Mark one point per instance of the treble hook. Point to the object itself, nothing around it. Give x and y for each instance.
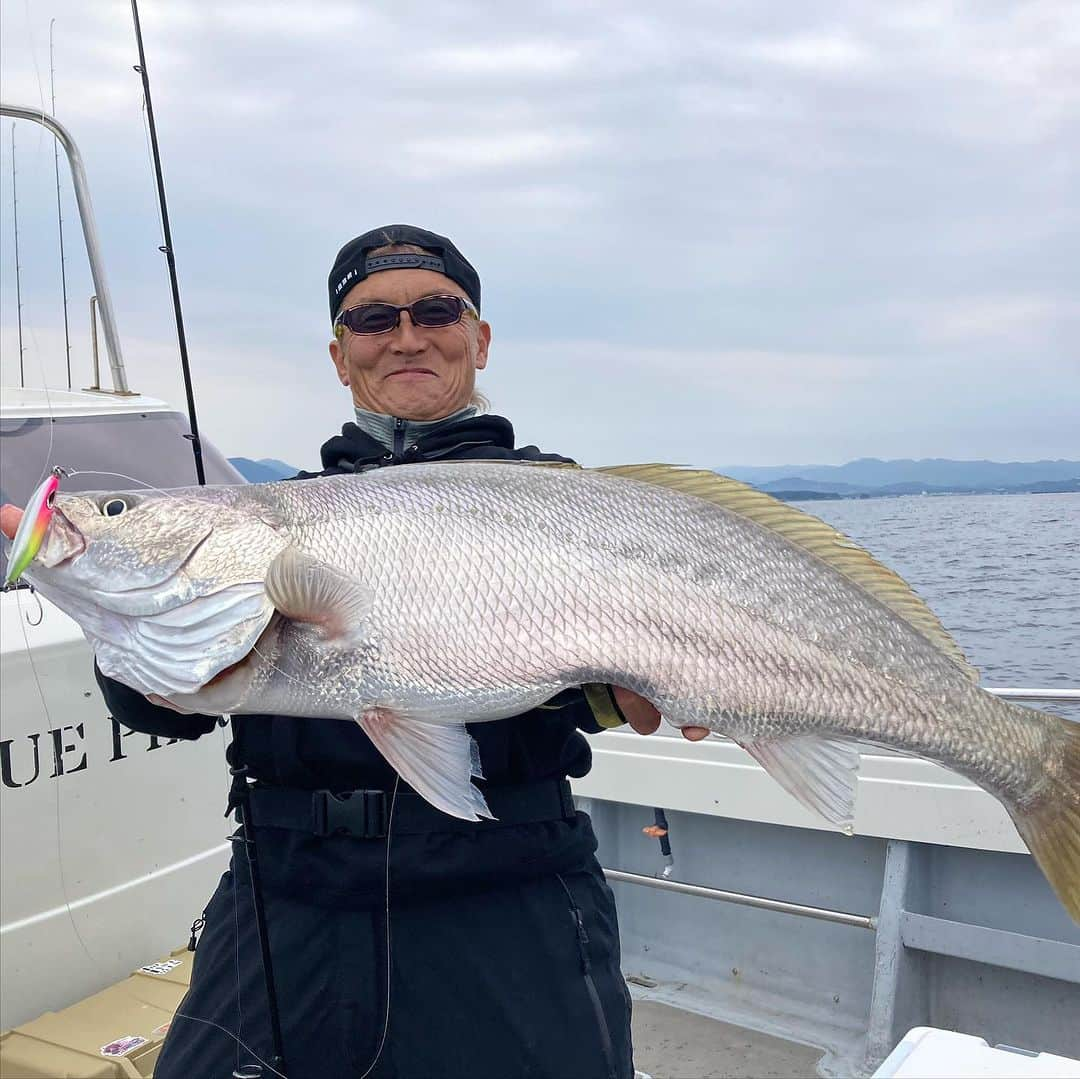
(41, 609)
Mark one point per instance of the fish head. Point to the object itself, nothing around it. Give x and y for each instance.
(167, 586)
(119, 541)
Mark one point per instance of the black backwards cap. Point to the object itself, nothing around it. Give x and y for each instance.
(353, 263)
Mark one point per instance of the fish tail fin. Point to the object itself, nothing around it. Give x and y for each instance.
(1051, 827)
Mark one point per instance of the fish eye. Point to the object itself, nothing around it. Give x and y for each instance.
(113, 507)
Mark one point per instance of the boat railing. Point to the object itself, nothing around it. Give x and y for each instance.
(1062, 696)
(90, 236)
(839, 917)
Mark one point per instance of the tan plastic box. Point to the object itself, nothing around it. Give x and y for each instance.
(115, 1033)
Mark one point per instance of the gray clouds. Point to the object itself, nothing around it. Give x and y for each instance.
(741, 232)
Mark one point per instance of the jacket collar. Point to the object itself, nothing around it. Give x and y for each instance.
(354, 450)
(388, 430)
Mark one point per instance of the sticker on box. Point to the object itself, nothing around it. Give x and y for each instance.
(122, 1046)
(161, 968)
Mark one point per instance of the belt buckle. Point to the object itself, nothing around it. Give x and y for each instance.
(360, 814)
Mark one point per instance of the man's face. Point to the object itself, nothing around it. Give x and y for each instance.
(415, 372)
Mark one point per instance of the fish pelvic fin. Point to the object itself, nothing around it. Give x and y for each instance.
(1051, 826)
(306, 590)
(812, 535)
(437, 760)
(820, 772)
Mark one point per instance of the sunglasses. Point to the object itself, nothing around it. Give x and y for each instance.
(430, 311)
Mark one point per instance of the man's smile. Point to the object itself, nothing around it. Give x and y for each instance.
(408, 373)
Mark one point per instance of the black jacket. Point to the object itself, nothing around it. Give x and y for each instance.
(318, 754)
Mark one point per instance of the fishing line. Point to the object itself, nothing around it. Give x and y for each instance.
(150, 162)
(59, 839)
(236, 954)
(37, 70)
(386, 1021)
(121, 476)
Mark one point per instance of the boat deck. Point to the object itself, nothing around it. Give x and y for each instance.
(670, 1043)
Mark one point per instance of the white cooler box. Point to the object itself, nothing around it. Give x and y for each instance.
(928, 1053)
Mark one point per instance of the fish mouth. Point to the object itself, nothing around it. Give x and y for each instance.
(63, 542)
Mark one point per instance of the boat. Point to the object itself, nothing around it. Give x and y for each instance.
(763, 942)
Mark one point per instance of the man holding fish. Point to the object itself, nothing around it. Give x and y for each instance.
(513, 592)
(505, 946)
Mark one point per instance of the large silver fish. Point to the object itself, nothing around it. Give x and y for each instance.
(418, 598)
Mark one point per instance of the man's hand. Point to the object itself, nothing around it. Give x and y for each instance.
(644, 718)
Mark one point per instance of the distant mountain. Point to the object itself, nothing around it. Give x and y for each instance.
(872, 473)
(265, 470)
(281, 466)
(871, 478)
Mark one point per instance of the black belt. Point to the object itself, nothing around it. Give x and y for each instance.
(365, 814)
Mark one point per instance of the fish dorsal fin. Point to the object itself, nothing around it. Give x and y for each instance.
(812, 535)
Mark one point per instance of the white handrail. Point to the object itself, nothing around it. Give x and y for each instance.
(93, 245)
(1012, 694)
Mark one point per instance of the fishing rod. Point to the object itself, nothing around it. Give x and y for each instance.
(18, 277)
(167, 250)
(59, 213)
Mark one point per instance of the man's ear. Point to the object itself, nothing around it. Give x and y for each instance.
(483, 343)
(337, 354)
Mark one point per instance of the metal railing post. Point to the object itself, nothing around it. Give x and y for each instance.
(96, 384)
(90, 235)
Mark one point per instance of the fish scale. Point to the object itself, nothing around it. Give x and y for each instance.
(417, 598)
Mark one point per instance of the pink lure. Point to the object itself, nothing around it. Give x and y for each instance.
(32, 526)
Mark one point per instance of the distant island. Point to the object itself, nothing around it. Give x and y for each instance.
(867, 477)
(870, 477)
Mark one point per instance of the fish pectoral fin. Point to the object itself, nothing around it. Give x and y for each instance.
(306, 590)
(437, 760)
(820, 772)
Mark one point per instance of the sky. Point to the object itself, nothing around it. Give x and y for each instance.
(710, 234)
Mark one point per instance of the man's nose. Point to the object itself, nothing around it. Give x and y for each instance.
(407, 337)
(10, 516)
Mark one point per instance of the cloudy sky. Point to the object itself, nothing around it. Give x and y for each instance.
(713, 233)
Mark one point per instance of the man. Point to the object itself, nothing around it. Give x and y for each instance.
(403, 942)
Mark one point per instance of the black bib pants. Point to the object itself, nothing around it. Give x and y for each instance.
(517, 978)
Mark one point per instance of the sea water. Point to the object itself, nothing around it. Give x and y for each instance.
(1002, 572)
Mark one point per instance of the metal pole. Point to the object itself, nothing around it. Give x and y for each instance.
(59, 214)
(167, 250)
(838, 917)
(18, 277)
(93, 245)
(96, 384)
(1062, 696)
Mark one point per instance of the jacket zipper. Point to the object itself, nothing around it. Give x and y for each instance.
(196, 928)
(399, 438)
(590, 985)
